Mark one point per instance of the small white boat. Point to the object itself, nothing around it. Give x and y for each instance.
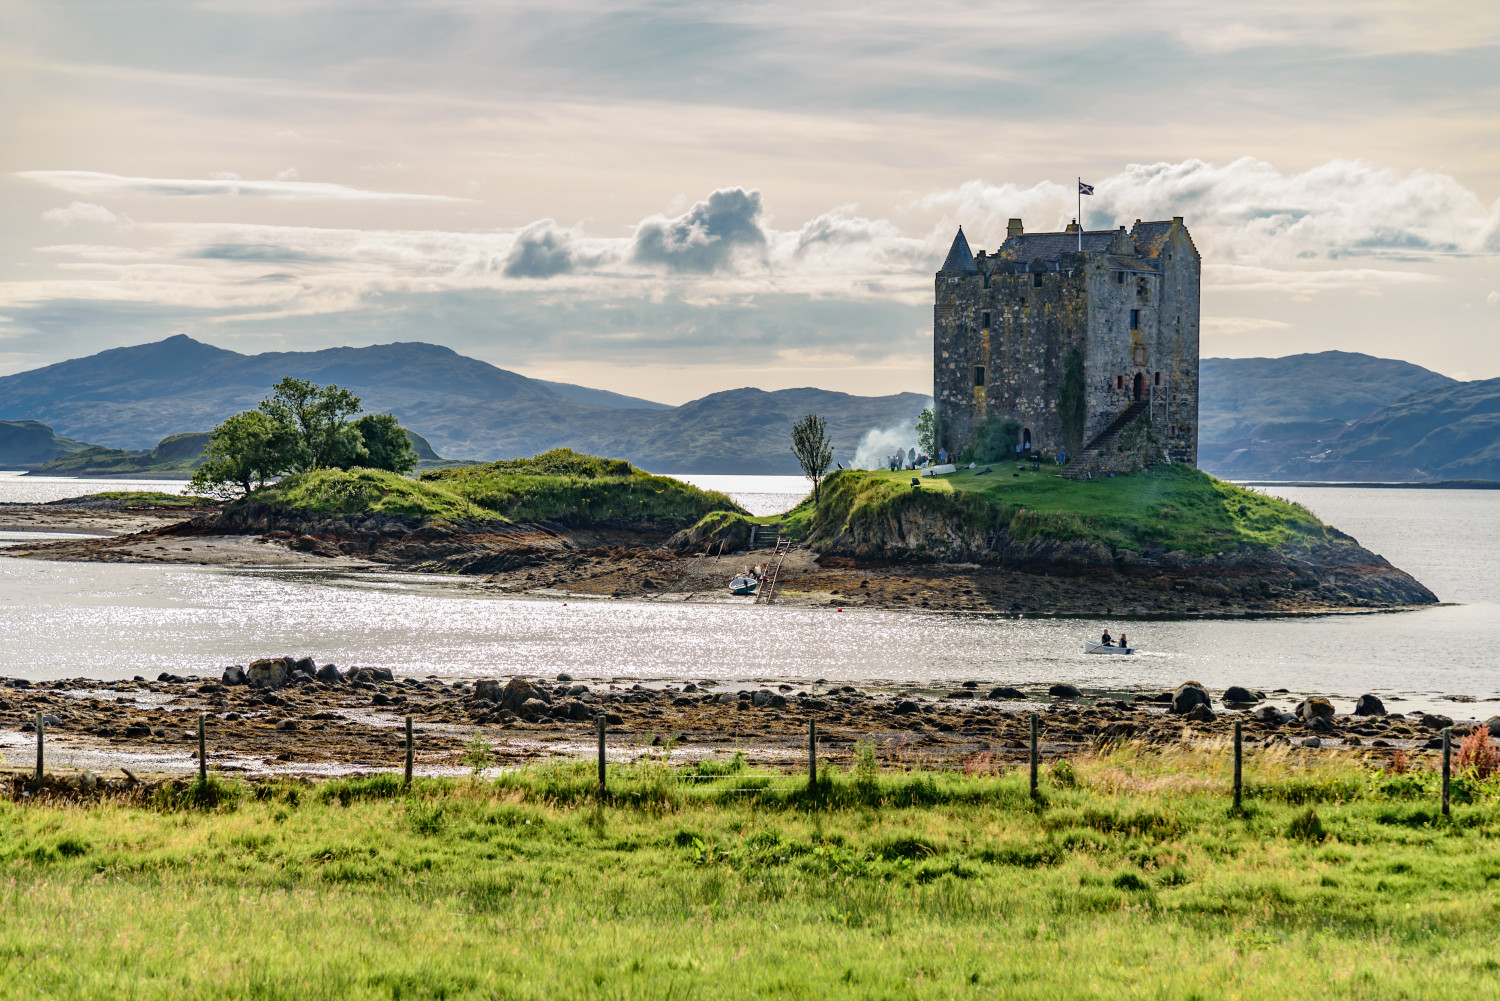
(743, 585)
(1101, 648)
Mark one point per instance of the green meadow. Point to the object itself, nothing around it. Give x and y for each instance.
(1130, 877)
(1174, 506)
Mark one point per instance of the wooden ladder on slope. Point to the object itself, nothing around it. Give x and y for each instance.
(767, 589)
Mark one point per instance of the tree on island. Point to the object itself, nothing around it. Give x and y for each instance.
(301, 426)
(813, 450)
(927, 432)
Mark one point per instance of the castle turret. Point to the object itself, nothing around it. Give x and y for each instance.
(960, 258)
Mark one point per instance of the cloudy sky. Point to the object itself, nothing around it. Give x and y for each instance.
(672, 198)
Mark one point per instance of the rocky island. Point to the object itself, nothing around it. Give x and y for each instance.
(1169, 540)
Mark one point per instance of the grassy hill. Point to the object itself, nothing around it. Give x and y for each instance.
(26, 444)
(1175, 507)
(174, 457)
(559, 487)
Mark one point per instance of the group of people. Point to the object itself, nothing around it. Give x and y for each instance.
(1107, 641)
(905, 460)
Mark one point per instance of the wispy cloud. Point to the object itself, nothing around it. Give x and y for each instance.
(97, 185)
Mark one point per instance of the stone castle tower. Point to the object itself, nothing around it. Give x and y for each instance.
(1092, 351)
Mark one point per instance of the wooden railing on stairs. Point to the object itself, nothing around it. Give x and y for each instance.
(767, 589)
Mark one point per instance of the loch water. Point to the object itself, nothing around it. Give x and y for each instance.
(117, 620)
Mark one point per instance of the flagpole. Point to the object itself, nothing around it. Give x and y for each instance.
(1080, 215)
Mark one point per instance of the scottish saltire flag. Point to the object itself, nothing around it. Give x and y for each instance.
(1085, 189)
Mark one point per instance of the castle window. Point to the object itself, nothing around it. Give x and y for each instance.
(1036, 280)
(1135, 319)
(1119, 278)
(984, 319)
(979, 375)
(1023, 300)
(1158, 378)
(1119, 382)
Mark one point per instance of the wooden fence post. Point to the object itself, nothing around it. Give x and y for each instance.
(1238, 747)
(1035, 726)
(202, 752)
(812, 753)
(600, 719)
(411, 750)
(40, 729)
(1447, 745)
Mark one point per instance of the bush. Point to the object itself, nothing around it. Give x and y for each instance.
(1478, 754)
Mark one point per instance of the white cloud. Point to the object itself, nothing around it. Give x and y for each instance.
(1232, 325)
(224, 185)
(1493, 299)
(1249, 211)
(84, 212)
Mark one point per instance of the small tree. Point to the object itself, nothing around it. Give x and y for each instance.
(244, 452)
(927, 432)
(386, 443)
(320, 416)
(813, 450)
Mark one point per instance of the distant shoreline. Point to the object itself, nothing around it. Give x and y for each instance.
(1379, 485)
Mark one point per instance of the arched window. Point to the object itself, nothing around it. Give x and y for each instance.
(1139, 387)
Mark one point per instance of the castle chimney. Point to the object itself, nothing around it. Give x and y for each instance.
(1072, 227)
(1013, 228)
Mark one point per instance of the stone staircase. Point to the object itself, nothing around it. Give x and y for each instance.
(1087, 463)
(764, 536)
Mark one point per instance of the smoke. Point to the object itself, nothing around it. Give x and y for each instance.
(879, 444)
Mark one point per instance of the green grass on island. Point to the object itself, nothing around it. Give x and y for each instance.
(561, 487)
(1173, 506)
(136, 499)
(1132, 878)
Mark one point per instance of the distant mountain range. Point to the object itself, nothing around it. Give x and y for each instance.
(1334, 415)
(133, 397)
(1338, 415)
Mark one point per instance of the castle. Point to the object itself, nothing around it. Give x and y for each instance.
(1087, 342)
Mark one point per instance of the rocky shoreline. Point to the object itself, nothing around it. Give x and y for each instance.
(1039, 577)
(287, 715)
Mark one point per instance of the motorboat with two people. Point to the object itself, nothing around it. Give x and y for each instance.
(1107, 645)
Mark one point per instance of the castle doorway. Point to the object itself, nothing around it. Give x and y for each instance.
(1026, 439)
(1140, 385)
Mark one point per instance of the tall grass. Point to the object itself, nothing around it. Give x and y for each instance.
(1130, 878)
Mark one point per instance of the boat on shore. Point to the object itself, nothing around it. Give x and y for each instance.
(743, 585)
(1101, 648)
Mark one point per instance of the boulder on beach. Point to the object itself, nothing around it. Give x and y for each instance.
(1007, 693)
(1435, 721)
(1269, 715)
(1200, 713)
(329, 675)
(1236, 693)
(234, 675)
(271, 672)
(1310, 709)
(1190, 694)
(1064, 692)
(1369, 705)
(1493, 725)
(532, 708)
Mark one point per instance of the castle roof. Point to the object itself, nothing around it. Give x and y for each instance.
(960, 257)
(1051, 246)
(1136, 264)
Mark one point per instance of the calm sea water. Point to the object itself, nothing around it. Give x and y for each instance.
(117, 620)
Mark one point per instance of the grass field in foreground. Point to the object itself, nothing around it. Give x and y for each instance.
(1130, 880)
